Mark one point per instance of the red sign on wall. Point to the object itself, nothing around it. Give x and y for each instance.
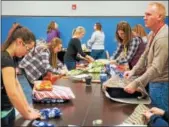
(73, 6)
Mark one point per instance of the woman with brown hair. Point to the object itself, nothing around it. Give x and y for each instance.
(96, 42)
(52, 31)
(138, 31)
(19, 42)
(129, 48)
(42, 60)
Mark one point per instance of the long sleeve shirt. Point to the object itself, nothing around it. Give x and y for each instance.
(74, 48)
(131, 50)
(154, 59)
(52, 34)
(158, 121)
(96, 41)
(36, 63)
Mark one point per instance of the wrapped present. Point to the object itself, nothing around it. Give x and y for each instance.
(49, 100)
(137, 117)
(58, 92)
(45, 114)
(122, 68)
(44, 85)
(114, 89)
(75, 72)
(51, 77)
(103, 61)
(48, 113)
(37, 123)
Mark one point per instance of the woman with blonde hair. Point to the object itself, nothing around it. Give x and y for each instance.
(129, 48)
(52, 31)
(43, 59)
(19, 42)
(74, 48)
(139, 31)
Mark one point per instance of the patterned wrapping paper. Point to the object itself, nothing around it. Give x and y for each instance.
(50, 113)
(116, 81)
(137, 117)
(58, 92)
(49, 100)
(37, 123)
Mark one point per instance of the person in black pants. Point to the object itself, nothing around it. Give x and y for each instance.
(74, 48)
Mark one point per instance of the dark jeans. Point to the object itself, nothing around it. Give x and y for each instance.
(9, 120)
(157, 121)
(70, 65)
(159, 93)
(98, 54)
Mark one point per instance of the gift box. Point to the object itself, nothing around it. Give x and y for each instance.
(44, 85)
(58, 92)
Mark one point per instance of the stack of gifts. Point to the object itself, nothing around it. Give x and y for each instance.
(57, 94)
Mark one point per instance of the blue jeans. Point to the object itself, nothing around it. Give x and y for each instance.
(70, 65)
(157, 121)
(159, 94)
(98, 54)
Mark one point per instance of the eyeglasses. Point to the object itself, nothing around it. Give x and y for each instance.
(27, 48)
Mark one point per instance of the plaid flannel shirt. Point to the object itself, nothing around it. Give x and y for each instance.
(131, 50)
(36, 63)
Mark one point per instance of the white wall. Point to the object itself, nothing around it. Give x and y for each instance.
(84, 8)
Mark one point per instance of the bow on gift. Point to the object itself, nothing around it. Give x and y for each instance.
(51, 77)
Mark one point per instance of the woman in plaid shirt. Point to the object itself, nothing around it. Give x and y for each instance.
(129, 47)
(43, 59)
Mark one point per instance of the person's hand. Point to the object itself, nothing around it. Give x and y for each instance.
(128, 74)
(131, 88)
(33, 114)
(157, 111)
(90, 59)
(113, 62)
(31, 109)
(63, 72)
(148, 114)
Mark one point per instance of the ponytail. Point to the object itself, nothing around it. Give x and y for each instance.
(18, 31)
(9, 38)
(15, 25)
(73, 31)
